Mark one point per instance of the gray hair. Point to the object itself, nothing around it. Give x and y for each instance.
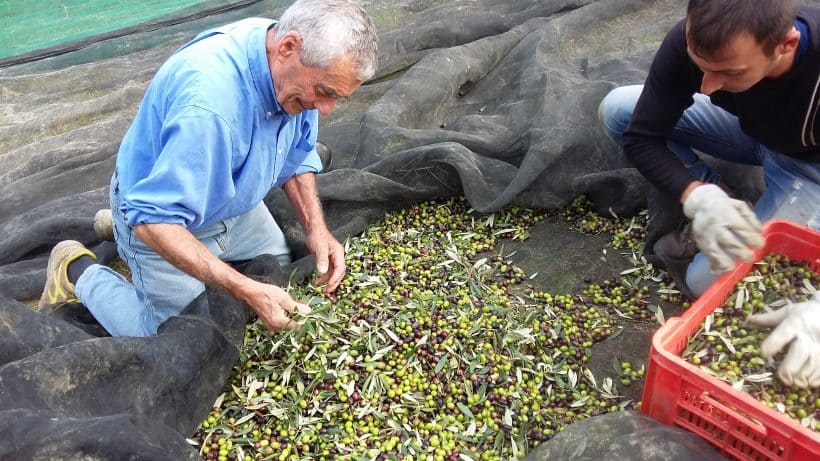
(331, 29)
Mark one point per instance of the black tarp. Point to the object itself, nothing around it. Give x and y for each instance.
(624, 435)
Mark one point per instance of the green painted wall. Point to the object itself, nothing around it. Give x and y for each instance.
(28, 25)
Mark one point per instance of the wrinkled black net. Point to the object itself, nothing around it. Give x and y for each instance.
(623, 435)
(493, 99)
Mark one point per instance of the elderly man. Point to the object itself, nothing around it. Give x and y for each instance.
(738, 80)
(231, 114)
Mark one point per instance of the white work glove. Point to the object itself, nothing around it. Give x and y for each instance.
(723, 228)
(798, 328)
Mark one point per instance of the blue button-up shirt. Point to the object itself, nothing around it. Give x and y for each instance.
(210, 140)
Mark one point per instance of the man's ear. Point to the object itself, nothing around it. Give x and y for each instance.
(289, 45)
(789, 43)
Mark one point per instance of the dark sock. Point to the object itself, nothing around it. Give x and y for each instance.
(78, 266)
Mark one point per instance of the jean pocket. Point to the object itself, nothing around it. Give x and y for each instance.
(216, 232)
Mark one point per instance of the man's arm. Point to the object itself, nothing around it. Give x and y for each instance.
(692, 185)
(667, 92)
(179, 247)
(301, 191)
(329, 253)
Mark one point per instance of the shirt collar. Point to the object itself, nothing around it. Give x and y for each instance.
(260, 70)
(803, 46)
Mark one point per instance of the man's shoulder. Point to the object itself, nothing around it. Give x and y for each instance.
(811, 16)
(676, 37)
(210, 73)
(230, 43)
(809, 11)
(196, 76)
(672, 52)
(241, 27)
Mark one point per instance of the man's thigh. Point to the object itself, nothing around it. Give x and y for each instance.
(702, 126)
(255, 233)
(163, 289)
(792, 190)
(714, 131)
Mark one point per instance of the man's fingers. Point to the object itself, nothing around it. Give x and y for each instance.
(338, 272)
(331, 279)
(719, 262)
(792, 370)
(779, 338)
(727, 236)
(334, 271)
(322, 279)
(747, 231)
(279, 321)
(750, 238)
(733, 246)
(292, 306)
(769, 319)
(302, 309)
(814, 368)
(753, 225)
(321, 260)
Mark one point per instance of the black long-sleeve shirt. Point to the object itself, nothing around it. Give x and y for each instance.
(781, 113)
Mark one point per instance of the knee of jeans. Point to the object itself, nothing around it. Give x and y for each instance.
(615, 112)
(284, 258)
(699, 276)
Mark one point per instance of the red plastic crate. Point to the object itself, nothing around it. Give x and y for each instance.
(678, 393)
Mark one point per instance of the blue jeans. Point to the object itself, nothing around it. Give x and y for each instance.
(158, 289)
(792, 186)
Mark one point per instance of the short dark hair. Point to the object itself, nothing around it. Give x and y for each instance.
(712, 24)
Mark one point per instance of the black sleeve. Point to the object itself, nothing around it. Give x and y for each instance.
(667, 92)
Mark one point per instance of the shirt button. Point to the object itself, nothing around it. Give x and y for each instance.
(280, 152)
(268, 114)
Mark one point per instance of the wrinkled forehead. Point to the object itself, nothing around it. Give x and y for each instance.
(740, 48)
(342, 76)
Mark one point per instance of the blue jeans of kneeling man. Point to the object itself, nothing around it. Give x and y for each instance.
(158, 289)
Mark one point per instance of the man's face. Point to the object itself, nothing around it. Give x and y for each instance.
(736, 68)
(299, 87)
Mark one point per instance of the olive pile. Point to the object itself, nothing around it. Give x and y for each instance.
(433, 348)
(728, 347)
(626, 233)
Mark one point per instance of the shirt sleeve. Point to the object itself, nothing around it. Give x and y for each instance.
(667, 92)
(192, 177)
(303, 157)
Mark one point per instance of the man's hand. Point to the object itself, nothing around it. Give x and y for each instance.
(329, 253)
(330, 258)
(797, 326)
(723, 228)
(184, 251)
(271, 303)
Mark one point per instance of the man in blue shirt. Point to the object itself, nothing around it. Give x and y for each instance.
(231, 114)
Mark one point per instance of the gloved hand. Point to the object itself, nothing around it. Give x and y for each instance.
(798, 328)
(723, 228)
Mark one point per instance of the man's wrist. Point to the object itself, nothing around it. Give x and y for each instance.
(692, 185)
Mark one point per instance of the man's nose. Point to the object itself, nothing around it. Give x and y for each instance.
(325, 106)
(710, 83)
